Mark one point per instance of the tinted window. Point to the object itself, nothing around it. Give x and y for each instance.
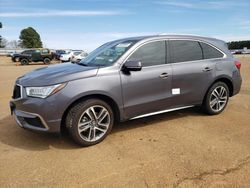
(210, 52)
(182, 50)
(27, 52)
(45, 51)
(150, 54)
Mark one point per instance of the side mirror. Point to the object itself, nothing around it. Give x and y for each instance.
(132, 66)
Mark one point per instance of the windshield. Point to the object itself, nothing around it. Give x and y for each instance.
(108, 53)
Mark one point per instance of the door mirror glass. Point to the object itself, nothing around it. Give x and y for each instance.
(132, 66)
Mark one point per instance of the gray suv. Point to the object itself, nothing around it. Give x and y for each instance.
(126, 79)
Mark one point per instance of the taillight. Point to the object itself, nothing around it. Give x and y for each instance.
(237, 64)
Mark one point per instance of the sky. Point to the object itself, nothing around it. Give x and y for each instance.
(86, 24)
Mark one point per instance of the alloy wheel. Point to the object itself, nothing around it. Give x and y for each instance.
(218, 98)
(94, 123)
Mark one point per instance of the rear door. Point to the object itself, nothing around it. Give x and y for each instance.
(192, 74)
(147, 90)
(36, 55)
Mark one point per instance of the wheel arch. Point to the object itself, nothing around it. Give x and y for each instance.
(228, 81)
(105, 98)
(47, 58)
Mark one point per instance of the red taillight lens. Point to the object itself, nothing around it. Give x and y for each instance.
(237, 64)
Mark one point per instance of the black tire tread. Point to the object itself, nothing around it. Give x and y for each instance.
(72, 116)
(206, 105)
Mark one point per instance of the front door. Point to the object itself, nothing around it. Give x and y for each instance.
(148, 90)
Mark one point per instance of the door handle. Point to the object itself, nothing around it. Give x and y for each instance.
(206, 69)
(164, 75)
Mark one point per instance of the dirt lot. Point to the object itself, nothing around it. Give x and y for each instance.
(178, 149)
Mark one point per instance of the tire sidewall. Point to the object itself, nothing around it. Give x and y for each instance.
(207, 101)
(46, 60)
(16, 59)
(24, 62)
(75, 114)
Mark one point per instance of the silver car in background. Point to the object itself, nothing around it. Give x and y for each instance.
(126, 79)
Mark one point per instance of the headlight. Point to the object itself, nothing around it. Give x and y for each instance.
(43, 92)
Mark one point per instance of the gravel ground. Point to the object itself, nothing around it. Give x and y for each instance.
(179, 149)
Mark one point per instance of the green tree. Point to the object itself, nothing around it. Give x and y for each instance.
(3, 42)
(239, 44)
(29, 38)
(1, 39)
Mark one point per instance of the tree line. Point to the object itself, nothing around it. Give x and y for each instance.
(239, 44)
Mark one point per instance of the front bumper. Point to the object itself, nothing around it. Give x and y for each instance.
(33, 121)
(30, 121)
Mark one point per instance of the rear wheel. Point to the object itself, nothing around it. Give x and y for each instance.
(90, 121)
(24, 61)
(46, 60)
(217, 98)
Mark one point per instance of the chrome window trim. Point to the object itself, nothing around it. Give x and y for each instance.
(168, 39)
(140, 45)
(201, 41)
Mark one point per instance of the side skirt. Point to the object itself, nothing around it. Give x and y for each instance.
(160, 112)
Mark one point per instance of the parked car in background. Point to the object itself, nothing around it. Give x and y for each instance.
(37, 55)
(10, 54)
(58, 53)
(79, 57)
(127, 79)
(16, 56)
(68, 56)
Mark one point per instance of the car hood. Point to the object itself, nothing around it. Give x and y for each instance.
(55, 74)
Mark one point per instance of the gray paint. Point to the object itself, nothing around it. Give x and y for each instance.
(135, 94)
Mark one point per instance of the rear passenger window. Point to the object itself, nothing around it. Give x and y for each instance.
(45, 51)
(210, 52)
(182, 50)
(150, 54)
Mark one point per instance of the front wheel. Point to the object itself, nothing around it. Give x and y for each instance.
(15, 59)
(216, 99)
(46, 60)
(90, 121)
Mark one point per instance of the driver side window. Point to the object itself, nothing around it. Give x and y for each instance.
(150, 54)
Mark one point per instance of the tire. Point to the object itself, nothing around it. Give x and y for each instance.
(93, 128)
(46, 60)
(216, 98)
(15, 59)
(24, 61)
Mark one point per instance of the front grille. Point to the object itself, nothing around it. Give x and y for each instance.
(17, 92)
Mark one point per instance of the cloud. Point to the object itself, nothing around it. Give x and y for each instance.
(243, 24)
(52, 13)
(177, 4)
(194, 4)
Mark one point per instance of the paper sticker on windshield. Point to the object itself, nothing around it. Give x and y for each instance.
(124, 45)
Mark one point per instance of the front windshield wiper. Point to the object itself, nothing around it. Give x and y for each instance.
(83, 64)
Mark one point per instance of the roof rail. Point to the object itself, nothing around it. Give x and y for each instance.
(186, 34)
